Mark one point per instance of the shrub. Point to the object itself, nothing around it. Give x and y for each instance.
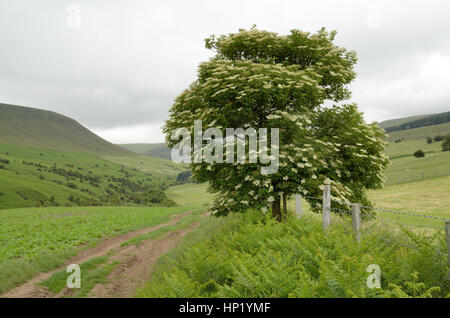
(184, 177)
(439, 138)
(71, 185)
(429, 140)
(446, 144)
(419, 154)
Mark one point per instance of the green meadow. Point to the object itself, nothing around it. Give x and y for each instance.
(37, 240)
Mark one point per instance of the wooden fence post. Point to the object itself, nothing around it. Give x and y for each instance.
(356, 221)
(326, 206)
(298, 205)
(447, 233)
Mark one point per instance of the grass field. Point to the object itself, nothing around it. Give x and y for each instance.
(420, 133)
(407, 168)
(37, 240)
(429, 197)
(190, 194)
(404, 167)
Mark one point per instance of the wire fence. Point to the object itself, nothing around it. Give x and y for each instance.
(354, 210)
(390, 211)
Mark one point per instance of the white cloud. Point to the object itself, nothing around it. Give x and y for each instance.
(424, 91)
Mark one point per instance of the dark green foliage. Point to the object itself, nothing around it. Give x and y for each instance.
(439, 138)
(419, 154)
(184, 177)
(446, 144)
(429, 140)
(71, 185)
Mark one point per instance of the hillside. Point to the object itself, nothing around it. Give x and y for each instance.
(27, 126)
(404, 167)
(137, 148)
(159, 150)
(42, 177)
(415, 122)
(399, 121)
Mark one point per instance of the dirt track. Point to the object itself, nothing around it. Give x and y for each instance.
(135, 264)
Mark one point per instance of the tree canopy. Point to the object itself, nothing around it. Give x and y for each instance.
(264, 80)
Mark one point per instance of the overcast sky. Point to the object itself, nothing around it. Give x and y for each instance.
(116, 66)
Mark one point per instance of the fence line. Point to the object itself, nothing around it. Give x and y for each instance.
(356, 217)
(379, 209)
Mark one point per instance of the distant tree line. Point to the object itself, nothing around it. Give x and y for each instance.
(423, 122)
(435, 139)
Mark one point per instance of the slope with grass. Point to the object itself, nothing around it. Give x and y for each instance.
(137, 148)
(405, 167)
(42, 177)
(399, 121)
(420, 133)
(160, 168)
(33, 127)
(429, 197)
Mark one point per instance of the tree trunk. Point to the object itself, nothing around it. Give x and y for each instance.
(276, 210)
(285, 206)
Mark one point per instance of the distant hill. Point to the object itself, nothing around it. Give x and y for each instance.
(415, 122)
(159, 150)
(33, 127)
(137, 148)
(399, 121)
